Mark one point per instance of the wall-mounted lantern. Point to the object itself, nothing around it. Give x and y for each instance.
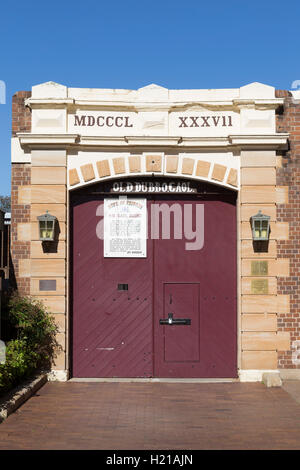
(260, 224)
(47, 226)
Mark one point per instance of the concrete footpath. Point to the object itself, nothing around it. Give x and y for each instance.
(156, 416)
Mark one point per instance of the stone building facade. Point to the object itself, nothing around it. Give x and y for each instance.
(243, 141)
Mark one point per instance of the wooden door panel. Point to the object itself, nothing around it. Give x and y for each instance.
(213, 268)
(182, 341)
(112, 328)
(117, 333)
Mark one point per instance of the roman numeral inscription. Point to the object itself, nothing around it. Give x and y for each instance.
(102, 121)
(205, 121)
(108, 120)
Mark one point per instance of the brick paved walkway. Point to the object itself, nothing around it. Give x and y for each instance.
(154, 416)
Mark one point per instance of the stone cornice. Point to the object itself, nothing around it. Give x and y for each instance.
(277, 140)
(33, 140)
(139, 106)
(274, 141)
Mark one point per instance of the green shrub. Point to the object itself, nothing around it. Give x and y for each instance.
(17, 364)
(36, 326)
(35, 344)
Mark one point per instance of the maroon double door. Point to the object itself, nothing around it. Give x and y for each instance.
(171, 314)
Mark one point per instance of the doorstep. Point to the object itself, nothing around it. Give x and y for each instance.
(152, 380)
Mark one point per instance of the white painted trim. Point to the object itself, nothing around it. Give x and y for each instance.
(274, 140)
(32, 102)
(263, 139)
(266, 103)
(289, 374)
(151, 380)
(150, 105)
(253, 375)
(153, 140)
(48, 139)
(58, 375)
(17, 153)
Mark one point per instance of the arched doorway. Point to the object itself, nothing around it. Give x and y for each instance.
(168, 310)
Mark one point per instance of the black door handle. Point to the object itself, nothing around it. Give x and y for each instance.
(174, 321)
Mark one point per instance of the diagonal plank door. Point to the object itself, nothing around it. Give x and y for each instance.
(112, 328)
(118, 303)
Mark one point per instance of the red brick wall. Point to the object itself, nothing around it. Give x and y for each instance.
(289, 175)
(20, 176)
(21, 116)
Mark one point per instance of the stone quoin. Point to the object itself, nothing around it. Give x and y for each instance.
(150, 307)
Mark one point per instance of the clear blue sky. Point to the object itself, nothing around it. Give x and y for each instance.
(131, 43)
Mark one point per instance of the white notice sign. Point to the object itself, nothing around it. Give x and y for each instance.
(125, 228)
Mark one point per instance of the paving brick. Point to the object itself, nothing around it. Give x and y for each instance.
(161, 416)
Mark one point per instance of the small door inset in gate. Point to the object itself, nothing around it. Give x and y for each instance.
(181, 328)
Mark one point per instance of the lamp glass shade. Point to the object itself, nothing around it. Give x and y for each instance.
(260, 227)
(47, 227)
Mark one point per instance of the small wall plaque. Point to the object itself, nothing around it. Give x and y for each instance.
(47, 284)
(259, 268)
(259, 286)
